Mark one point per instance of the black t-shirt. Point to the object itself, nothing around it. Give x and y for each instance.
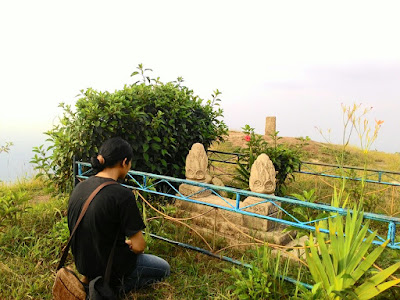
(113, 210)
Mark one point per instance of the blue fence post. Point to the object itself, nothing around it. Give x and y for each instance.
(392, 233)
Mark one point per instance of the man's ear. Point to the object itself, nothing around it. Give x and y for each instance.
(124, 162)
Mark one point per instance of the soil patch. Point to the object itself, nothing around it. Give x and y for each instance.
(237, 139)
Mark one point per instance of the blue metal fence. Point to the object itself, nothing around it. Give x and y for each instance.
(290, 220)
(370, 175)
(147, 182)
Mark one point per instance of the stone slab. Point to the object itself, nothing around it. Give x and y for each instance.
(265, 209)
(187, 190)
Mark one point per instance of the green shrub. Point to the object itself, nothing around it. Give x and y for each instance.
(160, 121)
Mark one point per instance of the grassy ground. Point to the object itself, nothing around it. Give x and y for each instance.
(31, 242)
(33, 230)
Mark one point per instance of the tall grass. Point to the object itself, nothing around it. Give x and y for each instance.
(30, 249)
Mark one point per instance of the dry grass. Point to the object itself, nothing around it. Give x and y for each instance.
(379, 198)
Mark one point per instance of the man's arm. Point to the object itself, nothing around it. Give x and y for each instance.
(136, 242)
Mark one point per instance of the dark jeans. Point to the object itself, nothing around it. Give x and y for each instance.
(149, 269)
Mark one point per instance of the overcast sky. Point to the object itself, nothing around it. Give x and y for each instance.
(296, 60)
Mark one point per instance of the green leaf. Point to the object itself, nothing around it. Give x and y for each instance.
(326, 259)
(155, 146)
(372, 286)
(318, 271)
(368, 262)
(362, 249)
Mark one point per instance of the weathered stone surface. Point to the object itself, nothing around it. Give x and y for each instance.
(219, 182)
(270, 126)
(234, 235)
(259, 223)
(196, 163)
(212, 199)
(262, 175)
(188, 190)
(207, 179)
(265, 208)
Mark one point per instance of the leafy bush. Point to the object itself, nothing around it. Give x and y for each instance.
(160, 121)
(285, 160)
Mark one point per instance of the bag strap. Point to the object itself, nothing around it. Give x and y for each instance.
(83, 211)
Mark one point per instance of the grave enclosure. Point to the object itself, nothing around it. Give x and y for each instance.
(233, 227)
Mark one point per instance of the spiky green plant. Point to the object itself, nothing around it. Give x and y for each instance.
(339, 267)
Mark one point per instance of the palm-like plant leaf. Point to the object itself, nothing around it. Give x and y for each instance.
(374, 285)
(340, 263)
(369, 261)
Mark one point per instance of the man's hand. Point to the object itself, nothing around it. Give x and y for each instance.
(136, 243)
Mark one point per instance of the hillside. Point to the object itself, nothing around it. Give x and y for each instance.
(320, 152)
(31, 237)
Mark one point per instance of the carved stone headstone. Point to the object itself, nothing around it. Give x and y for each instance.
(262, 175)
(262, 180)
(196, 163)
(196, 170)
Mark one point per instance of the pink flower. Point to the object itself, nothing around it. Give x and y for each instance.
(247, 138)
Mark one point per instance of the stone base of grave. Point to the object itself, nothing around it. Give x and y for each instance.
(189, 190)
(266, 209)
(234, 227)
(240, 241)
(193, 191)
(297, 251)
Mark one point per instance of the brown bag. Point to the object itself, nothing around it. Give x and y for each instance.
(67, 285)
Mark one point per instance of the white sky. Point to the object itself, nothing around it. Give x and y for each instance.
(296, 60)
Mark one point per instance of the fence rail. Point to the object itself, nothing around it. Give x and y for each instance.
(291, 220)
(331, 170)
